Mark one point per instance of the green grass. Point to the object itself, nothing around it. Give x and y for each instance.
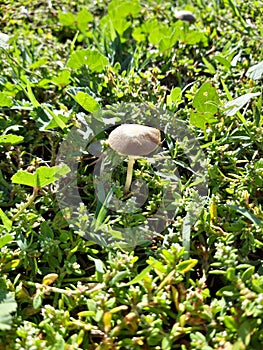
(196, 286)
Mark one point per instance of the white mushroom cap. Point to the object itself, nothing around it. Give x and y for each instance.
(134, 139)
(185, 16)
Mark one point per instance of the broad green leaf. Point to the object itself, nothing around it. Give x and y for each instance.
(206, 99)
(107, 28)
(5, 101)
(206, 103)
(86, 101)
(255, 72)
(5, 239)
(46, 230)
(67, 19)
(7, 306)
(168, 40)
(193, 37)
(155, 36)
(248, 273)
(63, 79)
(48, 119)
(80, 20)
(230, 273)
(10, 139)
(167, 342)
(46, 175)
(257, 284)
(141, 276)
(174, 97)
(123, 8)
(186, 265)
(200, 119)
(157, 265)
(6, 221)
(56, 117)
(168, 256)
(138, 35)
(120, 24)
(210, 67)
(223, 61)
(95, 61)
(150, 28)
(83, 18)
(157, 31)
(43, 176)
(230, 323)
(255, 220)
(39, 63)
(24, 178)
(232, 107)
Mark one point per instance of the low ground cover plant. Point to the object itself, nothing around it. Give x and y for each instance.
(197, 283)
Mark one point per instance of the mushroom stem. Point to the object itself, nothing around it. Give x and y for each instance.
(129, 174)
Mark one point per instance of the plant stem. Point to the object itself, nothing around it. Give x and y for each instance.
(68, 292)
(129, 174)
(27, 204)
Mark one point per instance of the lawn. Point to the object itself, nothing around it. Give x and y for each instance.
(173, 261)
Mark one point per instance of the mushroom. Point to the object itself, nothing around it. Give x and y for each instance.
(133, 140)
(185, 16)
